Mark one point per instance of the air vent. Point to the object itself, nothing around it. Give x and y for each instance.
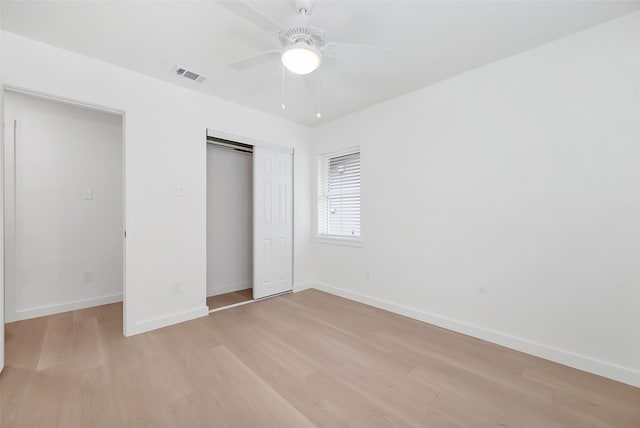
(188, 74)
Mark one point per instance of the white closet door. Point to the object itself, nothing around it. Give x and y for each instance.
(272, 222)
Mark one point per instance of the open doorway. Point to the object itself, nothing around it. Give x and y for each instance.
(229, 223)
(64, 206)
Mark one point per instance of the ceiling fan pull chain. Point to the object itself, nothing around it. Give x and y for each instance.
(318, 114)
(284, 107)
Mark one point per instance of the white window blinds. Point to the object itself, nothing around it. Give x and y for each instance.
(339, 194)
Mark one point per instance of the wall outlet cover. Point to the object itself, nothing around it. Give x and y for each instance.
(178, 191)
(176, 287)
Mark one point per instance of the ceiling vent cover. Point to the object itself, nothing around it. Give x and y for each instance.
(188, 74)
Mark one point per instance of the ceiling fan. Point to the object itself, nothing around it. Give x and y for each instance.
(303, 45)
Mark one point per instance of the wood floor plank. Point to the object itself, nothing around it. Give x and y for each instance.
(23, 342)
(231, 298)
(58, 341)
(587, 413)
(496, 368)
(304, 359)
(301, 381)
(244, 399)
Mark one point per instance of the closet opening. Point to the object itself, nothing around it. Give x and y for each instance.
(229, 223)
(249, 220)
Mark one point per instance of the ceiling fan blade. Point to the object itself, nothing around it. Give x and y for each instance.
(251, 14)
(349, 51)
(255, 60)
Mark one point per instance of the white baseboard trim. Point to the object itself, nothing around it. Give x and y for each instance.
(580, 362)
(228, 288)
(167, 320)
(41, 311)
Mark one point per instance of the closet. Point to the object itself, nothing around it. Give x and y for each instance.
(249, 220)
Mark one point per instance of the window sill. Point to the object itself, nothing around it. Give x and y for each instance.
(339, 240)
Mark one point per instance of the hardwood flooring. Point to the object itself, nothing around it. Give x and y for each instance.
(299, 360)
(227, 299)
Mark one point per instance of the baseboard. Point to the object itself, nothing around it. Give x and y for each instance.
(41, 311)
(580, 362)
(164, 321)
(228, 288)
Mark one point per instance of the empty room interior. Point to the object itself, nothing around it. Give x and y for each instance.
(298, 213)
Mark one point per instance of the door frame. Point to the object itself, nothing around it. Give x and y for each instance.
(92, 106)
(234, 138)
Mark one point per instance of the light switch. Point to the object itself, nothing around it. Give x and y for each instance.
(178, 191)
(87, 194)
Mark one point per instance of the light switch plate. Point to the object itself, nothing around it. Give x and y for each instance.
(87, 194)
(177, 190)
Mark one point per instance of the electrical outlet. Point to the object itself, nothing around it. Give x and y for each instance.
(367, 274)
(177, 287)
(87, 276)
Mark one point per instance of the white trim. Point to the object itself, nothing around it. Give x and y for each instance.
(64, 100)
(561, 356)
(247, 140)
(41, 311)
(2, 317)
(167, 320)
(339, 240)
(340, 151)
(228, 288)
(124, 224)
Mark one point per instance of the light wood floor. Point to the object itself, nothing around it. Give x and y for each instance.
(305, 359)
(227, 299)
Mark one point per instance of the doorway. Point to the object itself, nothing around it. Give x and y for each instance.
(229, 223)
(63, 206)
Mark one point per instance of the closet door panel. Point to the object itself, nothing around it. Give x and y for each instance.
(273, 225)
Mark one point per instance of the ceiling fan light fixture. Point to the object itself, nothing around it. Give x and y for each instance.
(301, 58)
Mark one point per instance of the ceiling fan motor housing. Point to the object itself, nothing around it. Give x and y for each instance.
(308, 35)
(296, 29)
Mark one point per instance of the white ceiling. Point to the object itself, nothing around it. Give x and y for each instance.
(429, 41)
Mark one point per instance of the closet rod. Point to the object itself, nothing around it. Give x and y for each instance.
(229, 149)
(230, 145)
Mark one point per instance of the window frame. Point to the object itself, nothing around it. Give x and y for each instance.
(322, 179)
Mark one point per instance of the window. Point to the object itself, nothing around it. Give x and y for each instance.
(339, 194)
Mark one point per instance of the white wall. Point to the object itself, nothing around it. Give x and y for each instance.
(64, 251)
(229, 221)
(165, 148)
(504, 202)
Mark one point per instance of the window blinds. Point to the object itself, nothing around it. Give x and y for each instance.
(339, 204)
